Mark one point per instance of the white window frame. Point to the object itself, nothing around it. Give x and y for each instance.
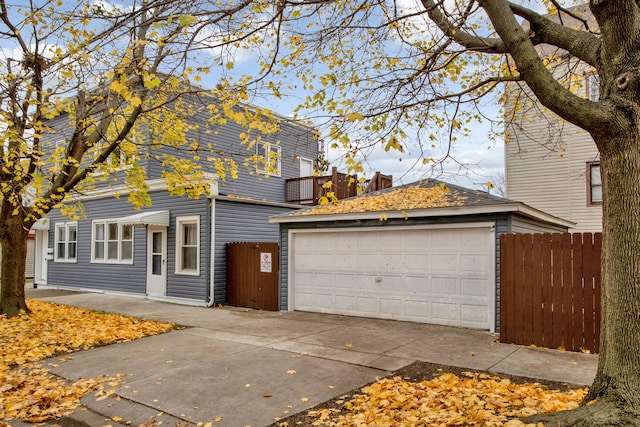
(263, 157)
(105, 241)
(594, 187)
(66, 242)
(181, 221)
(118, 161)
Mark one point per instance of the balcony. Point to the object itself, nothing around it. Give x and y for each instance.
(308, 190)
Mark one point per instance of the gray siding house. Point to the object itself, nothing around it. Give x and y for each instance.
(173, 250)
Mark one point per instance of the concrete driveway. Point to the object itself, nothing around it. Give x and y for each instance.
(246, 367)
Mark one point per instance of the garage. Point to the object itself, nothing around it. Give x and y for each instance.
(433, 275)
(425, 252)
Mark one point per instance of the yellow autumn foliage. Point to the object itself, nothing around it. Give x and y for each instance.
(27, 390)
(448, 400)
(401, 199)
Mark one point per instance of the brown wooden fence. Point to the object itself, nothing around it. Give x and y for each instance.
(550, 290)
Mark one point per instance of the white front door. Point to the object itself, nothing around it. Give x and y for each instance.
(157, 261)
(41, 257)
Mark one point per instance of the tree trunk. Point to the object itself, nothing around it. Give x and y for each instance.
(614, 397)
(618, 377)
(13, 240)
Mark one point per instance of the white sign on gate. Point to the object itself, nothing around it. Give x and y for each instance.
(265, 262)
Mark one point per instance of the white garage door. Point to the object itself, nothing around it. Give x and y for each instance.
(440, 276)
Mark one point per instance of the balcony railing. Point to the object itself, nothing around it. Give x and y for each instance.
(308, 190)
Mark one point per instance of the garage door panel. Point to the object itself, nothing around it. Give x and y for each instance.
(473, 314)
(444, 286)
(474, 288)
(365, 242)
(444, 240)
(426, 275)
(474, 263)
(366, 262)
(473, 240)
(445, 312)
(416, 242)
(416, 286)
(444, 263)
(365, 281)
(418, 309)
(390, 284)
(344, 261)
(392, 306)
(391, 261)
(417, 261)
(343, 281)
(367, 306)
(305, 261)
(344, 302)
(315, 280)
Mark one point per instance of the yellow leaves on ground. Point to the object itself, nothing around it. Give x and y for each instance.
(27, 391)
(402, 199)
(448, 400)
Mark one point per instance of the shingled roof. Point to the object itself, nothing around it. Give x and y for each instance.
(423, 198)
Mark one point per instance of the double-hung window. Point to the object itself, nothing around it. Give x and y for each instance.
(112, 242)
(594, 184)
(268, 158)
(66, 242)
(188, 245)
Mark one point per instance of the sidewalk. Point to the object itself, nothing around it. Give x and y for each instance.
(227, 360)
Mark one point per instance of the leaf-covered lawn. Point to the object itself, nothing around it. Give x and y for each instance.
(471, 399)
(27, 390)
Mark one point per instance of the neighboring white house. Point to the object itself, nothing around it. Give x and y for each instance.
(551, 164)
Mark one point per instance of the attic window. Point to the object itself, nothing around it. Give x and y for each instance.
(594, 184)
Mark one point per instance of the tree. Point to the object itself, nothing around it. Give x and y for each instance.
(86, 86)
(391, 72)
(394, 73)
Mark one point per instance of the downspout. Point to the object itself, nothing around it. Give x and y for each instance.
(213, 191)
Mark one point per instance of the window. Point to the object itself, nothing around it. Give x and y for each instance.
(593, 87)
(268, 158)
(122, 157)
(112, 242)
(594, 184)
(188, 245)
(66, 242)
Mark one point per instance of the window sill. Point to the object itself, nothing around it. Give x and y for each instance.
(187, 273)
(99, 261)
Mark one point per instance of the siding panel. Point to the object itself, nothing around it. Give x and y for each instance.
(240, 222)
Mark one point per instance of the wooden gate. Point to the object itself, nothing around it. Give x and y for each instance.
(252, 275)
(550, 290)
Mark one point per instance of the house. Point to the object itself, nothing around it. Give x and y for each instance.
(174, 249)
(425, 252)
(551, 164)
